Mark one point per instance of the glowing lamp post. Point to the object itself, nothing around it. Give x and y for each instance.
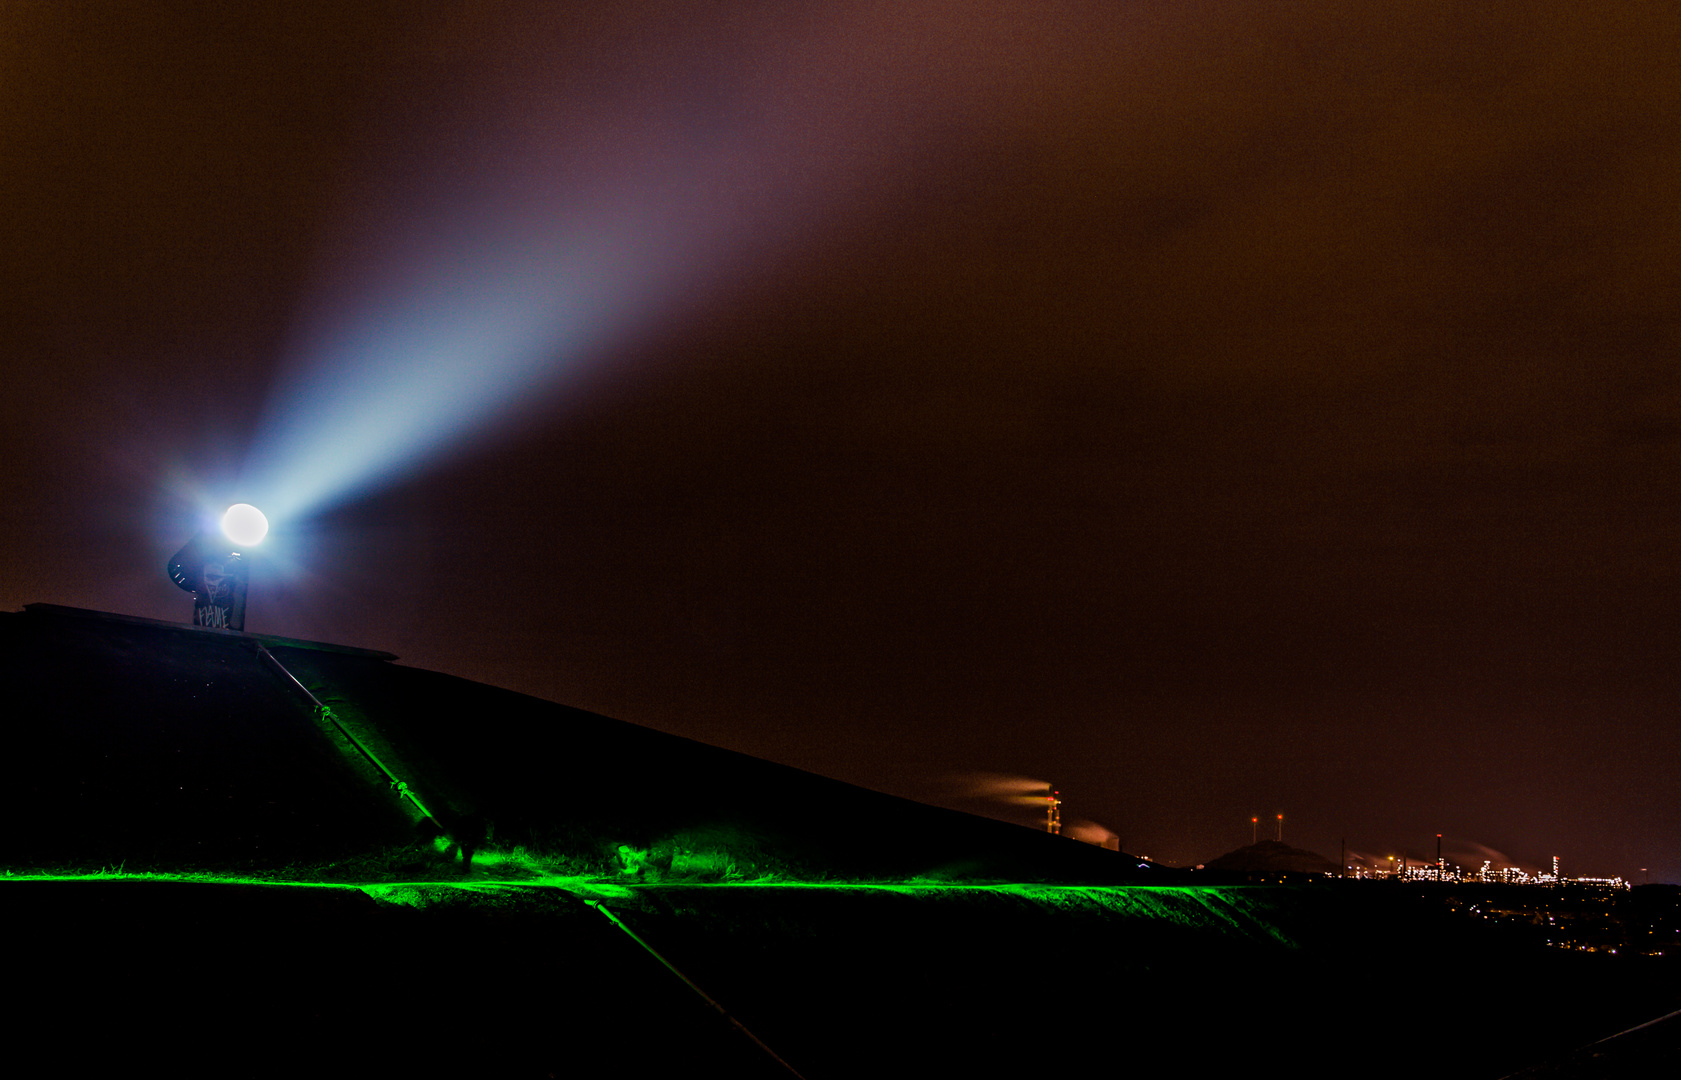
(244, 524)
(213, 568)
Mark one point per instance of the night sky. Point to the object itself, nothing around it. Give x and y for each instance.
(1216, 409)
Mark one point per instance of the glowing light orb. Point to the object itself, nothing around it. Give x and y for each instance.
(244, 524)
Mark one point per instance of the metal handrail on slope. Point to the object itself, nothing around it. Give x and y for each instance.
(323, 712)
(690, 983)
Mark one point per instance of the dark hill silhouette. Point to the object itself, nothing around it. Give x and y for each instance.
(159, 747)
(1271, 857)
(166, 746)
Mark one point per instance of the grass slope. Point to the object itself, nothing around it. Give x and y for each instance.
(162, 747)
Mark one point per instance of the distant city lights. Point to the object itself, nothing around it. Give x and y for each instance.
(1487, 874)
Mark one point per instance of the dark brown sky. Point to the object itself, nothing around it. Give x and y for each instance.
(1217, 409)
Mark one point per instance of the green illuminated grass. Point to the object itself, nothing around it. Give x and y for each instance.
(1241, 908)
(418, 876)
(189, 878)
(1244, 910)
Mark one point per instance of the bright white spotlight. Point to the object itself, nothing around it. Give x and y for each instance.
(244, 524)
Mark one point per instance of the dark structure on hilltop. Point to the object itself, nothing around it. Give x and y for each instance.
(1271, 857)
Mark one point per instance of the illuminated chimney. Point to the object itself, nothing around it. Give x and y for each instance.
(1053, 813)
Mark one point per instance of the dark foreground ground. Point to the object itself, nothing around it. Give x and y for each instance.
(855, 934)
(529, 980)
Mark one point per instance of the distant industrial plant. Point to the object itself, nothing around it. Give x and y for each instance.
(1441, 870)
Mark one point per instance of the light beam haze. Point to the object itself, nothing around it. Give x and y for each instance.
(570, 221)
